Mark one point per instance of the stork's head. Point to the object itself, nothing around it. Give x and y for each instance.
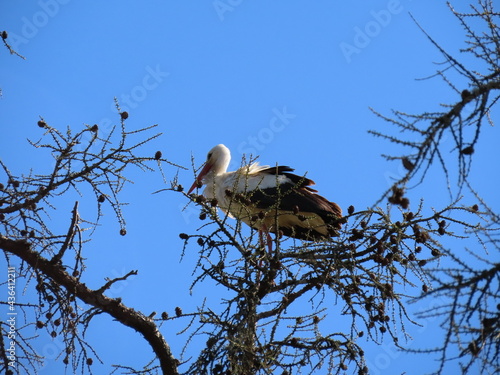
(218, 159)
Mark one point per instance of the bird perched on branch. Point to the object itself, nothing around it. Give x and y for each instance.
(269, 199)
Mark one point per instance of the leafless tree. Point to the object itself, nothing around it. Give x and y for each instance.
(366, 272)
(470, 295)
(277, 307)
(53, 263)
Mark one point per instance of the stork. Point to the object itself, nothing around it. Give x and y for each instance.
(269, 199)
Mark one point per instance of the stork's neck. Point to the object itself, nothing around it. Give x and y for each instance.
(221, 164)
(218, 169)
(208, 180)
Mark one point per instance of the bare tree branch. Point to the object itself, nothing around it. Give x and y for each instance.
(112, 306)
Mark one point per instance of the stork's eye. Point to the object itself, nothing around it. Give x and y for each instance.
(209, 155)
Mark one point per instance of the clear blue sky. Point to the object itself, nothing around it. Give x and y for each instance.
(291, 81)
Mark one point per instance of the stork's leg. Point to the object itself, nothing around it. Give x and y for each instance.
(269, 243)
(261, 239)
(262, 246)
(268, 240)
(263, 242)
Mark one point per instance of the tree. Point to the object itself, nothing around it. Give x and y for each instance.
(384, 255)
(52, 262)
(469, 306)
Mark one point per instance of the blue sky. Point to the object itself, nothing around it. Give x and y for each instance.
(291, 81)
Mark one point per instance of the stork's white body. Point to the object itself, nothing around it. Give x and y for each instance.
(242, 181)
(268, 198)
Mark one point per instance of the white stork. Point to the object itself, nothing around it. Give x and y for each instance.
(269, 199)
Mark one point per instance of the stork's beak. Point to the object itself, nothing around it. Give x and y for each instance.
(199, 180)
